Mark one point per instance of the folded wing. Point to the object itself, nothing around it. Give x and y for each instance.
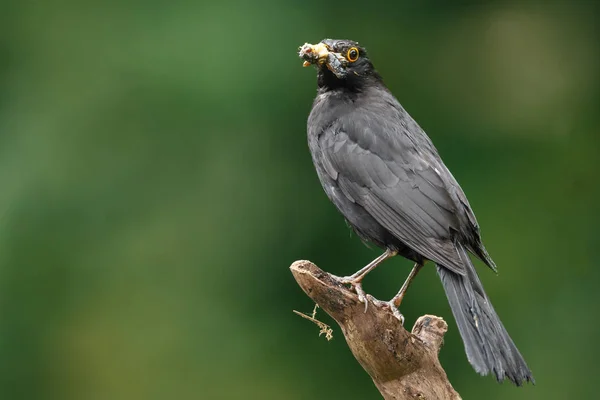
(404, 190)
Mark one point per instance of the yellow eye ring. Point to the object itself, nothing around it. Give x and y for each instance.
(352, 54)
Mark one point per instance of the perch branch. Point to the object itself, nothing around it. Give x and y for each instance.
(402, 365)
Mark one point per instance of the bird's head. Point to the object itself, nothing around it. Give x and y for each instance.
(340, 63)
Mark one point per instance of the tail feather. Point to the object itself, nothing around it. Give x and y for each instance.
(488, 346)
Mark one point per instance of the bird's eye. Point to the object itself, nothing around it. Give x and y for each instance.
(352, 54)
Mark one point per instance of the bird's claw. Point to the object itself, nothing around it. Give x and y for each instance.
(397, 313)
(362, 296)
(357, 286)
(388, 304)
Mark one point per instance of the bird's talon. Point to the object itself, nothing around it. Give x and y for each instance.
(362, 296)
(360, 292)
(397, 313)
(357, 287)
(390, 305)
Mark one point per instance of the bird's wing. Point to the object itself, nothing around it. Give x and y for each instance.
(403, 187)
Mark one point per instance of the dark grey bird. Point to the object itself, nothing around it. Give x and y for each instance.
(387, 179)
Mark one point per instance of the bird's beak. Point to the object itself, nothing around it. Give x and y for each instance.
(320, 54)
(313, 53)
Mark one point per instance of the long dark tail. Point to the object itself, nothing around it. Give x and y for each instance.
(487, 343)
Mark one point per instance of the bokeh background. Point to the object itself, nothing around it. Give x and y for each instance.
(156, 185)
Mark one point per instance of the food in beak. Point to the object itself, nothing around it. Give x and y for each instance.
(319, 54)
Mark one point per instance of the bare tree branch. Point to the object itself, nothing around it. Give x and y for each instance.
(402, 365)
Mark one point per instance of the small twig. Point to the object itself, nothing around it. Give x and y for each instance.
(325, 329)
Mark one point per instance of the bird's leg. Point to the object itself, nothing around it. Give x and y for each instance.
(355, 279)
(395, 302)
(359, 275)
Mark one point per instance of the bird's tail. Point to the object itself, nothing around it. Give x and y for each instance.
(487, 343)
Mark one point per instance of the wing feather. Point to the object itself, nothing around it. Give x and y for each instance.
(403, 190)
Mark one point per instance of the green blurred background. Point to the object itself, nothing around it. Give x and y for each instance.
(156, 186)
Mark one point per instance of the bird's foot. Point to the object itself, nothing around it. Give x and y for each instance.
(356, 285)
(387, 304)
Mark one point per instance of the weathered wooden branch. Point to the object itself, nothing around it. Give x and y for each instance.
(402, 365)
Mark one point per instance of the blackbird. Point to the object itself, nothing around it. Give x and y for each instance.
(386, 178)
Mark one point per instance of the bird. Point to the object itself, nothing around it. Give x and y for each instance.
(385, 176)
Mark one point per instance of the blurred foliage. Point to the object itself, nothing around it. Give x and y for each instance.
(156, 185)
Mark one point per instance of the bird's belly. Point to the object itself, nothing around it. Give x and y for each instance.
(365, 226)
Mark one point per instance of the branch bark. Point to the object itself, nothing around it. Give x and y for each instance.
(402, 365)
